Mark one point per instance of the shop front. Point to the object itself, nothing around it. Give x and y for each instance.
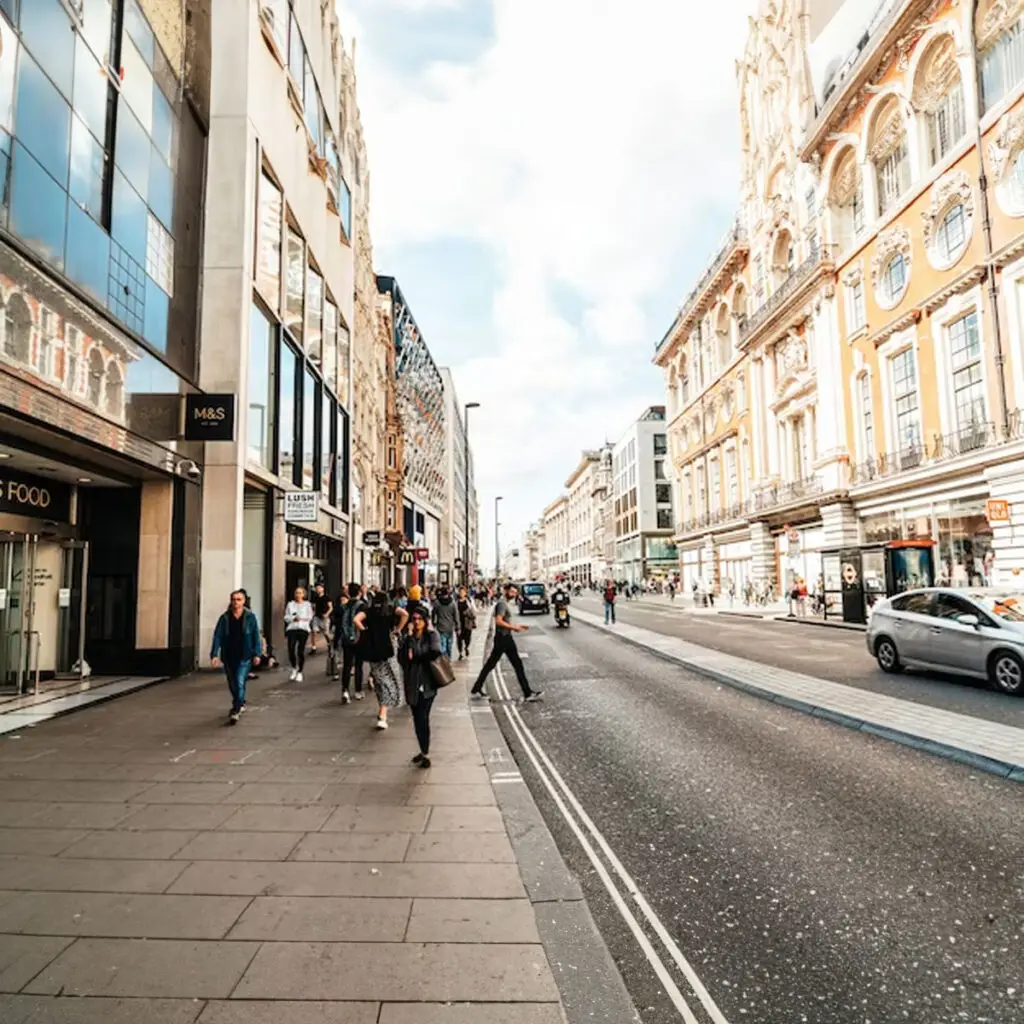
(736, 565)
(661, 558)
(691, 564)
(798, 552)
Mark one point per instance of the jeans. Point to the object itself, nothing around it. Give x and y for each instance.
(505, 646)
(447, 639)
(351, 663)
(421, 722)
(465, 639)
(297, 639)
(609, 612)
(237, 676)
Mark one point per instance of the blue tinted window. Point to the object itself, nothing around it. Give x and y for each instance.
(96, 22)
(92, 91)
(87, 254)
(46, 31)
(163, 125)
(286, 414)
(310, 401)
(126, 289)
(157, 308)
(161, 188)
(88, 163)
(260, 434)
(132, 149)
(128, 224)
(44, 119)
(37, 207)
(10, 8)
(138, 30)
(5, 174)
(8, 66)
(345, 208)
(148, 376)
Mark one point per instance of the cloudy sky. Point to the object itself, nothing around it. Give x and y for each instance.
(549, 178)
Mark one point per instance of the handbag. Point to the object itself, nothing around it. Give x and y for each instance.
(441, 672)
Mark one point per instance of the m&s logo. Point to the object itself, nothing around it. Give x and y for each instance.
(210, 413)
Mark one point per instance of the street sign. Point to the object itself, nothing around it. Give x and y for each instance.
(209, 417)
(301, 506)
(406, 556)
(997, 510)
(423, 554)
(371, 538)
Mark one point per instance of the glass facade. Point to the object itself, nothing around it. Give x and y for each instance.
(102, 164)
(287, 411)
(262, 393)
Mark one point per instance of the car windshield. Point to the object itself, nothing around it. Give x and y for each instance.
(533, 588)
(1003, 606)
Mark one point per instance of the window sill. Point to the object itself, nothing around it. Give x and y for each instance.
(268, 38)
(860, 332)
(295, 98)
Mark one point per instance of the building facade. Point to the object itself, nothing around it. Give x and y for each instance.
(848, 371)
(602, 547)
(555, 538)
(104, 111)
(277, 306)
(459, 526)
(422, 410)
(643, 504)
(580, 489)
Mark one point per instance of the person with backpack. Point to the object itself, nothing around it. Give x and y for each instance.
(347, 638)
(446, 620)
(609, 603)
(377, 624)
(467, 620)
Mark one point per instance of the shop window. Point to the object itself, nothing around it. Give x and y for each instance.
(968, 386)
(905, 399)
(314, 315)
(38, 208)
(268, 253)
(287, 412)
(262, 355)
(310, 438)
(46, 31)
(295, 286)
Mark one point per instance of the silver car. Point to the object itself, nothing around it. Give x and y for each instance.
(968, 632)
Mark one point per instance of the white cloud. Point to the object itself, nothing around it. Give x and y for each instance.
(585, 146)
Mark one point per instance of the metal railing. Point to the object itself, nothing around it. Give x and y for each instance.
(762, 501)
(819, 254)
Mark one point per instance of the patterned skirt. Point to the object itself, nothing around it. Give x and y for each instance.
(387, 682)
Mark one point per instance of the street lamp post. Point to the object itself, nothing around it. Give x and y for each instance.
(465, 555)
(497, 545)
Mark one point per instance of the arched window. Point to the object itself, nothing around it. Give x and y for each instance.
(17, 329)
(783, 257)
(889, 153)
(739, 308)
(951, 236)
(684, 382)
(114, 390)
(939, 94)
(47, 339)
(72, 358)
(97, 370)
(999, 31)
(894, 278)
(723, 334)
(846, 199)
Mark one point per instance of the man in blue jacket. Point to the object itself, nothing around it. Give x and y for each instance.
(236, 646)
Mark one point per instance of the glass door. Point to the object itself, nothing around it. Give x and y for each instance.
(71, 608)
(19, 643)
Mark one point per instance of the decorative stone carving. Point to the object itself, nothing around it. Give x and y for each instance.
(894, 240)
(938, 73)
(790, 357)
(945, 192)
(845, 180)
(888, 132)
(710, 416)
(1009, 137)
(853, 274)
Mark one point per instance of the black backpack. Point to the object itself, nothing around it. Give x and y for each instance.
(349, 633)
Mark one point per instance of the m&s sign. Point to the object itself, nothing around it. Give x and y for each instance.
(209, 417)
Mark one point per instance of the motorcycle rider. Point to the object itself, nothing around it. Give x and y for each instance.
(560, 599)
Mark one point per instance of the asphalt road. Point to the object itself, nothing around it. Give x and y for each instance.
(807, 872)
(836, 654)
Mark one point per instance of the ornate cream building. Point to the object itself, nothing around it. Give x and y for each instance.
(846, 372)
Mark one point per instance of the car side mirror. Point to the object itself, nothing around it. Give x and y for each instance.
(969, 620)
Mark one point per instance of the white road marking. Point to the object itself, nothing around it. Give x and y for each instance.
(35, 757)
(181, 757)
(527, 738)
(242, 760)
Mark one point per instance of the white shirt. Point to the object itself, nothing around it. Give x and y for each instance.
(298, 615)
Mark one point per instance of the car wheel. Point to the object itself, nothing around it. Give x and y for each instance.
(1006, 672)
(887, 655)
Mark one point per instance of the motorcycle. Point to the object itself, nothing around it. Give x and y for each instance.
(562, 616)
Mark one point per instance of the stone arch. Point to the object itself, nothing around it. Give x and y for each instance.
(113, 387)
(96, 369)
(938, 94)
(18, 329)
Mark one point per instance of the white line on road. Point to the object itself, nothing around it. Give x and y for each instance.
(242, 760)
(530, 744)
(181, 757)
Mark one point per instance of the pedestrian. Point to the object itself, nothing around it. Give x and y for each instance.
(732, 592)
(467, 621)
(420, 646)
(446, 620)
(321, 624)
(298, 620)
(236, 646)
(505, 645)
(377, 623)
(609, 603)
(801, 597)
(348, 640)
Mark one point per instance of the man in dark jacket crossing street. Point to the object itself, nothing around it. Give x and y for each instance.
(236, 646)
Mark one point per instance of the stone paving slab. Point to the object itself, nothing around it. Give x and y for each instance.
(415, 972)
(157, 845)
(38, 842)
(453, 848)
(22, 957)
(479, 1013)
(47, 1010)
(112, 915)
(146, 968)
(368, 847)
(186, 817)
(70, 875)
(235, 846)
(240, 1011)
(264, 818)
(507, 921)
(987, 745)
(466, 819)
(325, 919)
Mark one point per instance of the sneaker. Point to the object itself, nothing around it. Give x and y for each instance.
(241, 710)
(382, 723)
(359, 694)
(534, 697)
(291, 678)
(233, 718)
(298, 677)
(418, 759)
(345, 698)
(424, 761)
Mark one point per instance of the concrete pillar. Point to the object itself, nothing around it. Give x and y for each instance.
(153, 607)
(762, 549)
(841, 525)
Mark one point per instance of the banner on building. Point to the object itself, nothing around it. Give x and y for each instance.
(301, 506)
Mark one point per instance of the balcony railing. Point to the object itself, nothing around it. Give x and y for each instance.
(941, 448)
(759, 503)
(819, 254)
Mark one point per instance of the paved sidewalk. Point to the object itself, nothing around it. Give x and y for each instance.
(987, 745)
(158, 867)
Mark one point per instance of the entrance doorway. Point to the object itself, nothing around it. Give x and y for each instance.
(42, 607)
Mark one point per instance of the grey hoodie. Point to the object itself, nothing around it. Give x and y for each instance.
(446, 614)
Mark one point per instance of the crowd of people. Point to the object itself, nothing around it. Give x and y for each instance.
(391, 641)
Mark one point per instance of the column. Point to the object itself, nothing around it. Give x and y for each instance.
(762, 549)
(757, 419)
(841, 525)
(156, 525)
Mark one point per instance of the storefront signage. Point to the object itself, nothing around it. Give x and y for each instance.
(423, 554)
(64, 597)
(209, 417)
(997, 510)
(301, 506)
(26, 495)
(371, 538)
(376, 558)
(406, 556)
(458, 563)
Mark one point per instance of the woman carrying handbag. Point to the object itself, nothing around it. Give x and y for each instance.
(421, 647)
